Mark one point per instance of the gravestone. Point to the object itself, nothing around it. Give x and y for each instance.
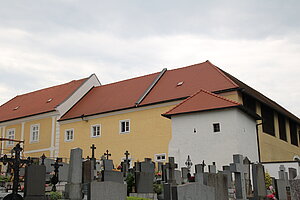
(219, 182)
(295, 189)
(107, 190)
(108, 174)
(227, 172)
(178, 179)
(34, 188)
(200, 176)
(144, 176)
(259, 184)
(168, 187)
(292, 173)
(88, 171)
(184, 174)
(282, 173)
(212, 168)
(282, 185)
(247, 164)
(237, 167)
(73, 189)
(194, 191)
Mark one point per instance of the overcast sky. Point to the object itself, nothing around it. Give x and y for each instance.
(45, 43)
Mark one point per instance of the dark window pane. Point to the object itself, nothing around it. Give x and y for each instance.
(249, 102)
(293, 133)
(216, 127)
(268, 120)
(282, 130)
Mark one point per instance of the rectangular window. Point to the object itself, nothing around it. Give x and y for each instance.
(10, 134)
(34, 133)
(293, 133)
(95, 130)
(160, 157)
(125, 126)
(268, 120)
(69, 135)
(282, 128)
(217, 127)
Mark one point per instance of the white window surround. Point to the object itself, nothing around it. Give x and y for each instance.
(10, 134)
(69, 135)
(96, 130)
(124, 126)
(160, 157)
(34, 133)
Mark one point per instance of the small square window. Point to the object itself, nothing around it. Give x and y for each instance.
(217, 127)
(69, 135)
(95, 130)
(160, 157)
(125, 126)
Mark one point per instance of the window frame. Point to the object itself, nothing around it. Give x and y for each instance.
(31, 133)
(66, 137)
(120, 126)
(10, 143)
(216, 127)
(92, 130)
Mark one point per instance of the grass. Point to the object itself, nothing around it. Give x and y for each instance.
(136, 198)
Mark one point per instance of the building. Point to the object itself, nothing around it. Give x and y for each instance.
(137, 115)
(32, 117)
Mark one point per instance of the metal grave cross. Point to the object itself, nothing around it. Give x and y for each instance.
(171, 166)
(189, 163)
(54, 179)
(107, 154)
(93, 147)
(16, 163)
(126, 157)
(43, 157)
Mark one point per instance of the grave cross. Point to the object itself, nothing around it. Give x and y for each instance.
(171, 166)
(126, 157)
(93, 147)
(54, 179)
(189, 163)
(43, 157)
(238, 168)
(16, 163)
(107, 154)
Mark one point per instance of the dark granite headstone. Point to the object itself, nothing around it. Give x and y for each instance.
(237, 167)
(259, 184)
(107, 165)
(144, 176)
(295, 189)
(35, 182)
(219, 182)
(113, 176)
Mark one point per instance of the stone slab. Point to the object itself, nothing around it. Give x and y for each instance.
(295, 189)
(107, 191)
(195, 191)
(113, 176)
(35, 181)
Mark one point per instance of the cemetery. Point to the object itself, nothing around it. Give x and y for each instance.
(98, 177)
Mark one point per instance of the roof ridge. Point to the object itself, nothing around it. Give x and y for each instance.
(220, 72)
(207, 92)
(25, 94)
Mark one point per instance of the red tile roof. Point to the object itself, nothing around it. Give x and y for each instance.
(124, 94)
(38, 102)
(201, 101)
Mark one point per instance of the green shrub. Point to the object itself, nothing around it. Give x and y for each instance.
(130, 182)
(157, 188)
(55, 195)
(268, 180)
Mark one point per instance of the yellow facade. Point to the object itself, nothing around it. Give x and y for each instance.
(272, 148)
(149, 134)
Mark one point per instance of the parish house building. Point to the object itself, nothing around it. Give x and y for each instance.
(198, 110)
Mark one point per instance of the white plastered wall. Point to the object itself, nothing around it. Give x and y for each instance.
(237, 136)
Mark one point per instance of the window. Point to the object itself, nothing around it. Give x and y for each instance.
(160, 157)
(95, 130)
(216, 127)
(34, 133)
(125, 126)
(293, 133)
(268, 120)
(69, 135)
(10, 135)
(282, 130)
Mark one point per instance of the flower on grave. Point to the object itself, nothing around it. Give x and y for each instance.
(158, 173)
(119, 167)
